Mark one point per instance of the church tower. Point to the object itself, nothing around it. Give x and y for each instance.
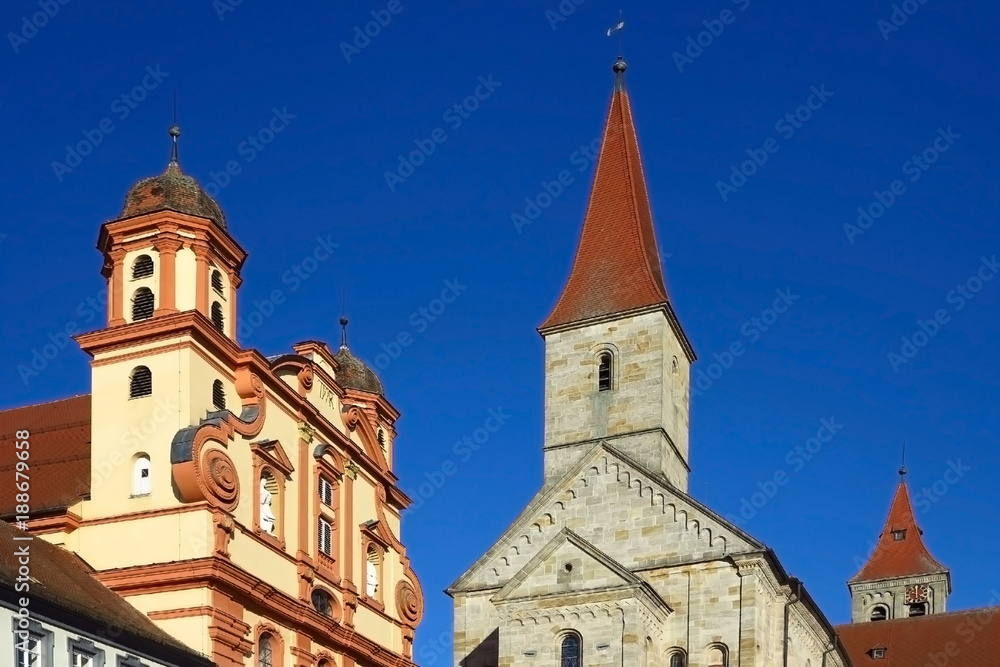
(901, 579)
(616, 358)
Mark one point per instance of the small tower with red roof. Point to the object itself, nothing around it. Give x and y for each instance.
(901, 579)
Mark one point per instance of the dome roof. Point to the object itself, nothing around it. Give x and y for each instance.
(172, 191)
(354, 374)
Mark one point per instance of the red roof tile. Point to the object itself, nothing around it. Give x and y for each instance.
(59, 464)
(958, 639)
(60, 578)
(617, 267)
(899, 558)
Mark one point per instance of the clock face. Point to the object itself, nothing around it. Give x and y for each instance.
(917, 593)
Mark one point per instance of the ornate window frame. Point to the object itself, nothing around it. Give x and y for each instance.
(277, 644)
(329, 466)
(269, 458)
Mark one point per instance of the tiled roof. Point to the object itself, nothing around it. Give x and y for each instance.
(62, 579)
(173, 191)
(59, 463)
(958, 639)
(354, 374)
(617, 267)
(903, 557)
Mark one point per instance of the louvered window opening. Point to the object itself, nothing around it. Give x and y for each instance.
(142, 304)
(143, 267)
(217, 319)
(218, 395)
(141, 383)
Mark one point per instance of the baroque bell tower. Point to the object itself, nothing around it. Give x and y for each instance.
(616, 358)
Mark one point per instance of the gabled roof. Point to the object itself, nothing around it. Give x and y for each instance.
(513, 590)
(617, 267)
(549, 493)
(904, 557)
(960, 639)
(60, 453)
(63, 581)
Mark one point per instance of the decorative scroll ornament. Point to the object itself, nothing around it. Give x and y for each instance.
(408, 603)
(221, 480)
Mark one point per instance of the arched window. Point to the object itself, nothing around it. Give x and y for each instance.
(268, 503)
(381, 439)
(569, 651)
(217, 318)
(324, 663)
(218, 395)
(718, 656)
(140, 383)
(879, 613)
(143, 267)
(143, 304)
(142, 483)
(918, 609)
(604, 362)
(647, 652)
(373, 570)
(677, 659)
(217, 281)
(265, 651)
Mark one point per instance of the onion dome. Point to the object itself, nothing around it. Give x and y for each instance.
(172, 191)
(354, 374)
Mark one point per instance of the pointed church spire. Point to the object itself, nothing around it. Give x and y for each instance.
(900, 551)
(617, 267)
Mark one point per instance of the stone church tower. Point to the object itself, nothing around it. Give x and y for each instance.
(901, 579)
(612, 562)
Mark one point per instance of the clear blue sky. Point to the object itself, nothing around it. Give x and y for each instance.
(783, 229)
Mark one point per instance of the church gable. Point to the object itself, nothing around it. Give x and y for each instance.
(620, 508)
(566, 565)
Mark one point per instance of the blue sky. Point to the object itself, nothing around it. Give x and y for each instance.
(886, 95)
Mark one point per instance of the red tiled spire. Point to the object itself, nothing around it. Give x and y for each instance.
(617, 268)
(899, 557)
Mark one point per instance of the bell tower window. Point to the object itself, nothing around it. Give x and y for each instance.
(140, 382)
(879, 613)
(217, 281)
(917, 609)
(218, 395)
(142, 304)
(143, 267)
(604, 363)
(217, 317)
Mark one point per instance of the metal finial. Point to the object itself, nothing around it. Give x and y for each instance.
(619, 67)
(902, 466)
(343, 333)
(175, 131)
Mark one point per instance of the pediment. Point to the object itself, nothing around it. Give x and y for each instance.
(568, 563)
(272, 453)
(622, 509)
